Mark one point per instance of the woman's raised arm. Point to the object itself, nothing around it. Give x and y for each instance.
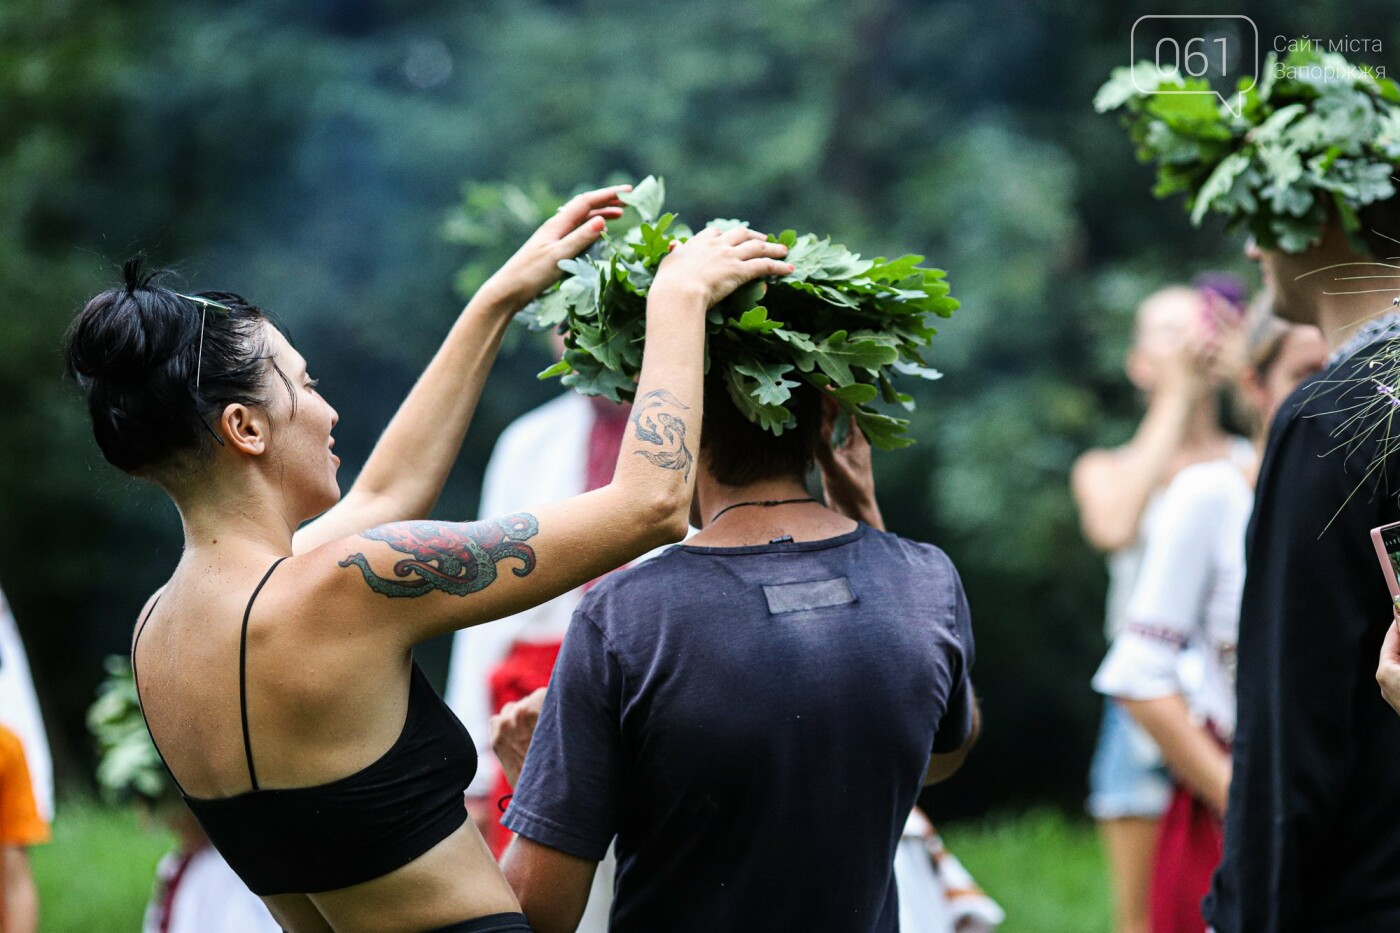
(406, 471)
(414, 580)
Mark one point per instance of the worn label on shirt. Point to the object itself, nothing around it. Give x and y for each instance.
(816, 594)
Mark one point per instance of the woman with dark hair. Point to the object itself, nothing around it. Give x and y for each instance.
(275, 665)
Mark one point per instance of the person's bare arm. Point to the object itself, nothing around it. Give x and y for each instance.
(552, 886)
(1111, 487)
(415, 574)
(406, 471)
(21, 896)
(943, 766)
(1190, 751)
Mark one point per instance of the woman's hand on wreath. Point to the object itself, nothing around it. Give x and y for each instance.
(577, 225)
(714, 263)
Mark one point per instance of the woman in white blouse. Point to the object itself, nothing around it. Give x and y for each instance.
(1187, 596)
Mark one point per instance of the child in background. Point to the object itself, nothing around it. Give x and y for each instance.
(20, 827)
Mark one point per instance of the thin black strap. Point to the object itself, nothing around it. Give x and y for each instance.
(243, 672)
(136, 683)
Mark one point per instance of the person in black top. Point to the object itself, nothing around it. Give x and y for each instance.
(750, 714)
(1312, 827)
(276, 667)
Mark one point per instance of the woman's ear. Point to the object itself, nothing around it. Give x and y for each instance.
(244, 429)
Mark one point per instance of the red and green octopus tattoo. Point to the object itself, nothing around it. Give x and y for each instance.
(457, 558)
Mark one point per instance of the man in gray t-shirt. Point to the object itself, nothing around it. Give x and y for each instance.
(752, 714)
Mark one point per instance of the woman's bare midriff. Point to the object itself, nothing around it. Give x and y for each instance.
(456, 880)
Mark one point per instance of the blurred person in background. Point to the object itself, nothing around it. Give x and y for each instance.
(308, 743)
(1173, 362)
(195, 891)
(936, 892)
(565, 447)
(21, 826)
(751, 731)
(19, 709)
(1187, 595)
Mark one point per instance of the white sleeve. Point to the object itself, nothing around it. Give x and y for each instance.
(540, 457)
(1167, 605)
(476, 650)
(212, 899)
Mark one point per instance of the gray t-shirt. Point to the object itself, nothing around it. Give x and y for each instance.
(753, 725)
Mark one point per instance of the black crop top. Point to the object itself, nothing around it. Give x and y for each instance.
(304, 840)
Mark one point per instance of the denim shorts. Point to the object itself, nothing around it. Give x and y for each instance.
(1128, 777)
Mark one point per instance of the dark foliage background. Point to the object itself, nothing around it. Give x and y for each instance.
(307, 153)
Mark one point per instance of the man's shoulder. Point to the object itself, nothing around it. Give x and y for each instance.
(677, 569)
(1338, 422)
(645, 579)
(920, 555)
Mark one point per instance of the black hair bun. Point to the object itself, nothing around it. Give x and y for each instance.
(135, 350)
(124, 334)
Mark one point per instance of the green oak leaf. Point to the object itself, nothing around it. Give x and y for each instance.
(836, 355)
(857, 393)
(840, 323)
(771, 417)
(769, 386)
(755, 321)
(646, 197)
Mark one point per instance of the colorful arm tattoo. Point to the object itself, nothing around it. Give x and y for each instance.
(663, 429)
(455, 558)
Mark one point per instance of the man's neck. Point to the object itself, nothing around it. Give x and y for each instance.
(744, 521)
(715, 497)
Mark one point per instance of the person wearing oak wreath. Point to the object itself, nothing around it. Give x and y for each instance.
(750, 715)
(1305, 162)
(275, 666)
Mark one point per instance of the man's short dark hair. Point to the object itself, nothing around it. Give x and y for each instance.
(741, 452)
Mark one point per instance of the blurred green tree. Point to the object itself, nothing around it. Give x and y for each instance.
(308, 155)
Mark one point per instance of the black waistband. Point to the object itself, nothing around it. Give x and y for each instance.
(495, 923)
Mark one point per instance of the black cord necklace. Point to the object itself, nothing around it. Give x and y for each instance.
(764, 503)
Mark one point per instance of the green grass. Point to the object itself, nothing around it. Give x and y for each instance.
(96, 874)
(1044, 869)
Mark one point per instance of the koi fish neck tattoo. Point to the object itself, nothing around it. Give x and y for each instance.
(449, 557)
